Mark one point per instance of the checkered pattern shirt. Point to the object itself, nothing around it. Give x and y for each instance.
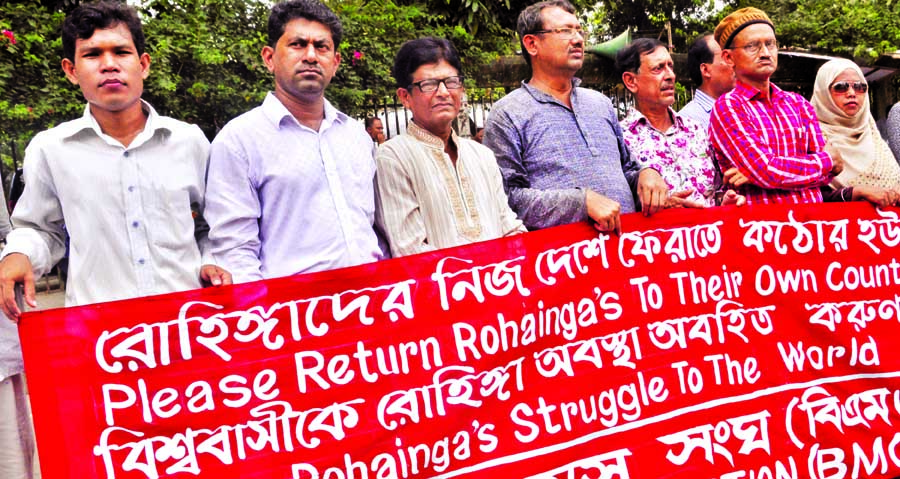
(776, 144)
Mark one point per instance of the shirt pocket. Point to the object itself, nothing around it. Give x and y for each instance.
(174, 224)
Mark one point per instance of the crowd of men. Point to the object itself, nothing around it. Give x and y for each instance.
(149, 206)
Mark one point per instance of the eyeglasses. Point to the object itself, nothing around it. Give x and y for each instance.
(754, 48)
(428, 86)
(845, 86)
(566, 32)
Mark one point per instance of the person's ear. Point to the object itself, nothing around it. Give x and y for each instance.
(145, 65)
(727, 58)
(403, 95)
(267, 53)
(530, 43)
(629, 79)
(705, 71)
(68, 67)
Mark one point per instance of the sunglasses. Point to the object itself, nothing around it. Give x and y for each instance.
(845, 86)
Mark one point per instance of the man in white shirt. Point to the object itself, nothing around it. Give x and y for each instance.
(126, 183)
(290, 186)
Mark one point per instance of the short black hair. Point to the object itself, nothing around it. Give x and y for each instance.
(312, 10)
(370, 120)
(698, 54)
(423, 51)
(89, 17)
(531, 20)
(629, 58)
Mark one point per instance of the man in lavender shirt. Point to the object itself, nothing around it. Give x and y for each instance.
(290, 186)
(559, 146)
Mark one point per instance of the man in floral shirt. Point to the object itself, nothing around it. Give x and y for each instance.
(657, 136)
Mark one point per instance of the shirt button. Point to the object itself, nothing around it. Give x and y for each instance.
(135, 224)
(130, 189)
(126, 154)
(141, 261)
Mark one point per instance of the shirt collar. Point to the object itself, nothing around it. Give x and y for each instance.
(88, 122)
(544, 97)
(635, 118)
(276, 112)
(428, 138)
(703, 100)
(748, 92)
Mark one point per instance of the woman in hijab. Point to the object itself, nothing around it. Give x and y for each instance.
(842, 105)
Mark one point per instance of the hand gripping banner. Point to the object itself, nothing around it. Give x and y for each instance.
(729, 343)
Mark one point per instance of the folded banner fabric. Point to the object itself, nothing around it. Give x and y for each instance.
(729, 343)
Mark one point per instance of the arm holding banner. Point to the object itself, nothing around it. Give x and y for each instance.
(38, 241)
(233, 210)
(537, 208)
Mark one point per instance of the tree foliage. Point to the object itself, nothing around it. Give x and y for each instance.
(35, 95)
(206, 65)
(862, 28)
(616, 16)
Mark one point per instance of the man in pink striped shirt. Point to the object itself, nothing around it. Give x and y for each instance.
(767, 141)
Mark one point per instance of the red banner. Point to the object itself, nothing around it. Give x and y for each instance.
(730, 343)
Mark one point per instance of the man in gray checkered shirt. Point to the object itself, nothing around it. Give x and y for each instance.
(560, 147)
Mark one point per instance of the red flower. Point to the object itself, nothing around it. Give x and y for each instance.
(10, 35)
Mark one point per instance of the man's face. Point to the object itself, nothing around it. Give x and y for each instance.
(433, 111)
(558, 51)
(108, 69)
(304, 60)
(721, 74)
(754, 66)
(654, 82)
(376, 129)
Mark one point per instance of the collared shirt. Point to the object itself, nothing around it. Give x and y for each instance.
(892, 125)
(777, 144)
(129, 212)
(426, 202)
(699, 109)
(548, 154)
(680, 154)
(283, 198)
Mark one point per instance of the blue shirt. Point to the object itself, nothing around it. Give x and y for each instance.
(548, 154)
(699, 108)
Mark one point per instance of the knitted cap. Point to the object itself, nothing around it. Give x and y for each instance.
(731, 25)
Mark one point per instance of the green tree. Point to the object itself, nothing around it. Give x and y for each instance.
(686, 16)
(36, 94)
(862, 28)
(206, 66)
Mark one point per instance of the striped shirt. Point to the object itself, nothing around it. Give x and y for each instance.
(699, 108)
(776, 144)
